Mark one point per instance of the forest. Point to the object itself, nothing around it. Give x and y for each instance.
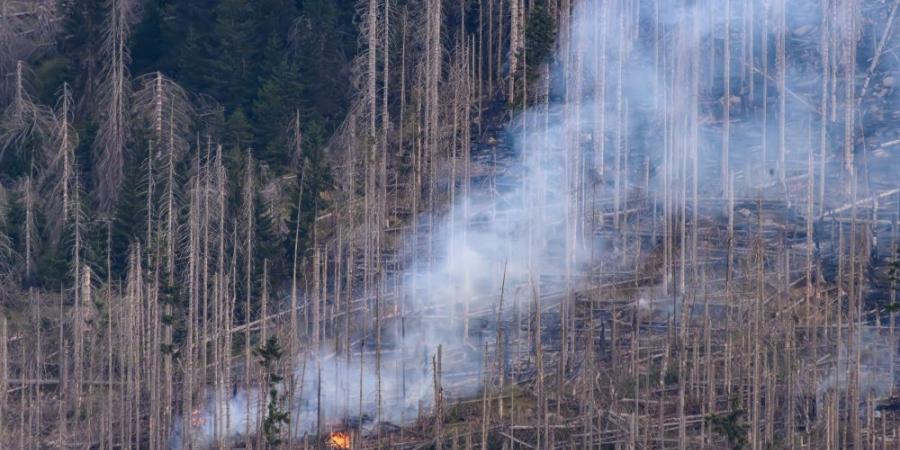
(449, 224)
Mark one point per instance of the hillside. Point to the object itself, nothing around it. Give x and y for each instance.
(449, 224)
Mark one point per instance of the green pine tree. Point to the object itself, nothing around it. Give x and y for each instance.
(273, 112)
(270, 355)
(233, 61)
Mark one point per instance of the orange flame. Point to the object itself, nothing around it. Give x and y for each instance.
(338, 439)
(197, 419)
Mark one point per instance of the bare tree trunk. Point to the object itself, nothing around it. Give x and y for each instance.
(4, 378)
(781, 62)
(726, 104)
(438, 401)
(113, 131)
(249, 193)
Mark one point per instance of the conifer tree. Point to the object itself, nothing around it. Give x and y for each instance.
(235, 49)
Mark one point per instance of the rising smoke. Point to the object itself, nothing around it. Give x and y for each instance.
(593, 141)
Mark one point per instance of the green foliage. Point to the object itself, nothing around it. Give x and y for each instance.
(267, 242)
(894, 276)
(894, 268)
(79, 41)
(129, 218)
(249, 66)
(53, 266)
(269, 355)
(731, 426)
(171, 298)
(234, 54)
(273, 111)
(167, 349)
(671, 376)
(147, 45)
(323, 44)
(540, 36)
(667, 378)
(49, 75)
(238, 134)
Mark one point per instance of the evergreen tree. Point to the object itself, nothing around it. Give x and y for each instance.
(270, 355)
(185, 40)
(323, 42)
(235, 48)
(129, 222)
(268, 245)
(238, 136)
(147, 43)
(79, 41)
(278, 98)
(540, 36)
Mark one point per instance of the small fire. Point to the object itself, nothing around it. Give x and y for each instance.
(338, 439)
(197, 419)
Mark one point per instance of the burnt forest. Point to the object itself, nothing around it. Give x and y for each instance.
(449, 224)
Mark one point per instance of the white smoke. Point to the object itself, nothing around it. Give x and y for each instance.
(515, 234)
(874, 374)
(527, 227)
(523, 228)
